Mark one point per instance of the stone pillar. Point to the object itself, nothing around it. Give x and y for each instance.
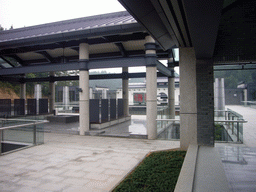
(188, 97)
(171, 92)
(84, 119)
(66, 97)
(151, 87)
(23, 89)
(219, 96)
(245, 97)
(197, 100)
(38, 95)
(125, 88)
(51, 93)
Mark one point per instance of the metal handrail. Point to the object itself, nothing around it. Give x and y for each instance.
(167, 119)
(22, 125)
(33, 123)
(4, 119)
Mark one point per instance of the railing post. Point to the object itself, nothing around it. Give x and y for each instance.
(34, 134)
(237, 132)
(0, 142)
(232, 125)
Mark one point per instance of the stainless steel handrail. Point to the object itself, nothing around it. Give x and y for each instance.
(33, 123)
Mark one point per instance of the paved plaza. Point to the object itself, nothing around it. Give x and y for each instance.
(75, 163)
(68, 162)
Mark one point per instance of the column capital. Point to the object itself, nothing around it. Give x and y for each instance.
(150, 60)
(83, 64)
(150, 46)
(125, 75)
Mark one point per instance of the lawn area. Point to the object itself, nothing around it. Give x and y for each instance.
(159, 171)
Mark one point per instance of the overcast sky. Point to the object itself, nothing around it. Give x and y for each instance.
(20, 13)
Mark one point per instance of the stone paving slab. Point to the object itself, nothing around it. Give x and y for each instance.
(75, 163)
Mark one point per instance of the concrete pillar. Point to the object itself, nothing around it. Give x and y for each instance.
(151, 91)
(219, 96)
(23, 91)
(197, 100)
(125, 88)
(38, 91)
(188, 97)
(51, 93)
(38, 95)
(66, 97)
(171, 91)
(245, 97)
(84, 94)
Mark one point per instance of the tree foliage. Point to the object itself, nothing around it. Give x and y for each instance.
(233, 77)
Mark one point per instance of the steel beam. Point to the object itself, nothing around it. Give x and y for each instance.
(163, 69)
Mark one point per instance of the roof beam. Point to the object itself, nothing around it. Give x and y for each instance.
(7, 61)
(121, 49)
(163, 69)
(18, 59)
(92, 64)
(47, 56)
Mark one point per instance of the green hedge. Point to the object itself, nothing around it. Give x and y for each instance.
(158, 172)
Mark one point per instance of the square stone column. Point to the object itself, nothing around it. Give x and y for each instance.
(188, 97)
(196, 100)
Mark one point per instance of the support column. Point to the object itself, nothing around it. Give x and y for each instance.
(171, 91)
(66, 97)
(125, 87)
(197, 100)
(219, 96)
(188, 97)
(84, 119)
(38, 95)
(205, 102)
(23, 89)
(151, 90)
(51, 93)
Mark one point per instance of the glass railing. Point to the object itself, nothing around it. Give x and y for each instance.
(167, 129)
(251, 104)
(228, 126)
(19, 133)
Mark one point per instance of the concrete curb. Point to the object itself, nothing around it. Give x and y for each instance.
(187, 174)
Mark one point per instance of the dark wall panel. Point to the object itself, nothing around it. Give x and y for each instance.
(43, 106)
(19, 107)
(5, 107)
(120, 108)
(112, 109)
(31, 107)
(104, 110)
(94, 111)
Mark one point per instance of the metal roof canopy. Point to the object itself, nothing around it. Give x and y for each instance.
(115, 39)
(183, 23)
(222, 30)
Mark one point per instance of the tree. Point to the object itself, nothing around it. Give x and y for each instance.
(233, 77)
